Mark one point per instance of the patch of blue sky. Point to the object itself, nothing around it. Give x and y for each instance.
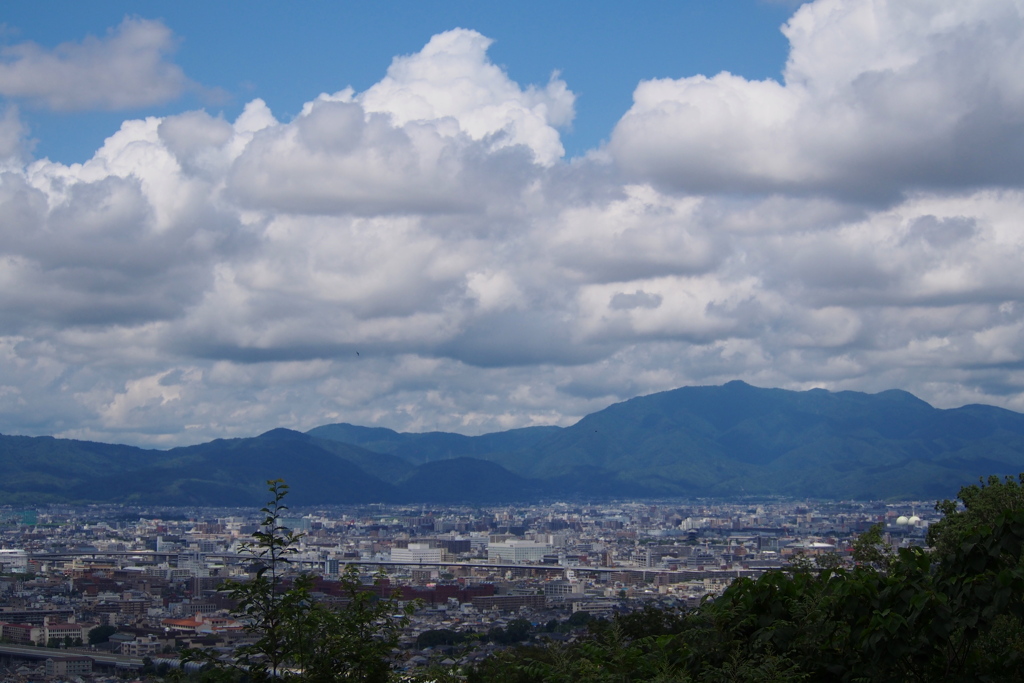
(288, 53)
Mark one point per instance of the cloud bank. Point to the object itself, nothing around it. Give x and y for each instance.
(421, 255)
(877, 98)
(126, 69)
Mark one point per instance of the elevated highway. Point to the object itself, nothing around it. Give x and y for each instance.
(101, 657)
(682, 573)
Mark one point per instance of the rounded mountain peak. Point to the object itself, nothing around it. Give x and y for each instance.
(282, 433)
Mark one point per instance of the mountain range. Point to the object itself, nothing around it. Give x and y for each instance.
(734, 440)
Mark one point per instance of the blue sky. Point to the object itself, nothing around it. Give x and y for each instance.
(288, 53)
(221, 218)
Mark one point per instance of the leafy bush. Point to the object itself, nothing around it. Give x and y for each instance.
(101, 634)
(952, 614)
(294, 637)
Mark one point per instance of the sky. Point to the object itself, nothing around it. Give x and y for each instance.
(221, 218)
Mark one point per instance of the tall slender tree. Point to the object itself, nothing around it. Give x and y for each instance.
(294, 636)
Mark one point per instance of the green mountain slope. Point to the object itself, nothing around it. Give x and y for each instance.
(738, 439)
(45, 469)
(469, 480)
(708, 441)
(741, 439)
(221, 472)
(431, 446)
(233, 472)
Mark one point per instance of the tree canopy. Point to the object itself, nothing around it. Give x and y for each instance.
(295, 637)
(951, 613)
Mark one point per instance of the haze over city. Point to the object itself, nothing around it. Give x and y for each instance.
(465, 217)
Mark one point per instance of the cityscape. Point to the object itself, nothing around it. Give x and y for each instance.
(480, 342)
(152, 574)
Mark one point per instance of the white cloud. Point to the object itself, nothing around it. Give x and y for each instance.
(451, 77)
(446, 131)
(127, 68)
(418, 255)
(877, 97)
(13, 143)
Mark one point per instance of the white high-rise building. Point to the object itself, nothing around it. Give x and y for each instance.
(193, 563)
(517, 551)
(13, 560)
(417, 553)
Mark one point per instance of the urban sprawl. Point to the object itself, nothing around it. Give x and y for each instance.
(154, 574)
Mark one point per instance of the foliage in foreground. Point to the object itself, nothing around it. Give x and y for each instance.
(296, 637)
(953, 614)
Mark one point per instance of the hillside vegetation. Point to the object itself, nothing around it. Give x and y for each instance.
(723, 441)
(955, 613)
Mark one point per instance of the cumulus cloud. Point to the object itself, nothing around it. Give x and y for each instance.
(638, 299)
(125, 69)
(13, 143)
(419, 255)
(445, 131)
(877, 97)
(451, 77)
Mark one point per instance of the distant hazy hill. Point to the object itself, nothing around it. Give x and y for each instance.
(737, 439)
(233, 472)
(429, 446)
(706, 441)
(740, 439)
(230, 472)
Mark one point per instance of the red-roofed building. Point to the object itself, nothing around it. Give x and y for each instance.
(58, 631)
(21, 633)
(203, 624)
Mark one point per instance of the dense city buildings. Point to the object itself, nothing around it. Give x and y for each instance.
(151, 576)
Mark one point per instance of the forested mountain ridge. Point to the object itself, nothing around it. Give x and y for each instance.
(738, 439)
(729, 440)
